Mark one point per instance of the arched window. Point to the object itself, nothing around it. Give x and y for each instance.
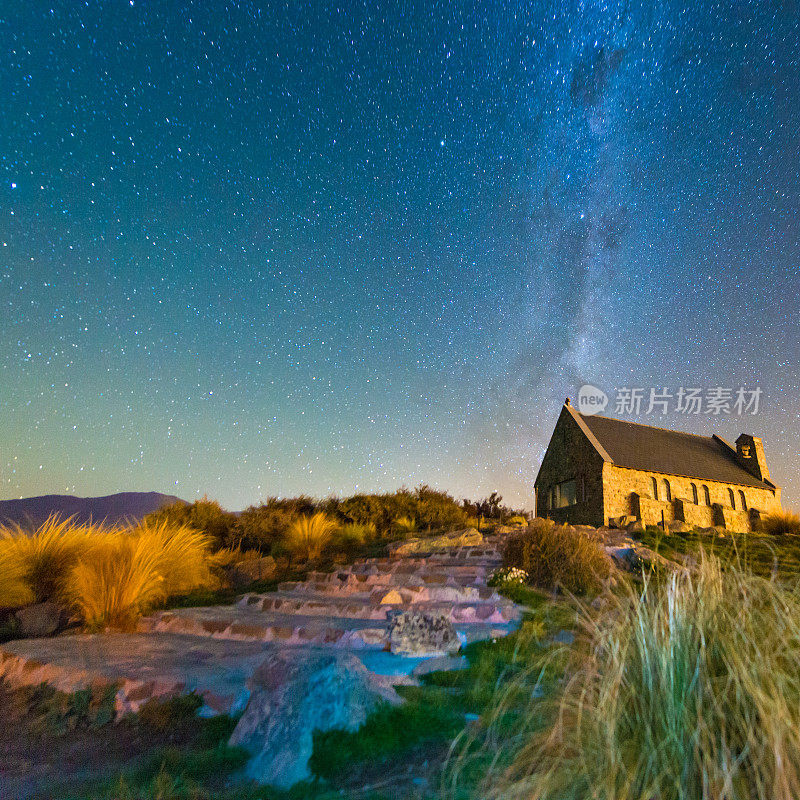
(732, 497)
(706, 495)
(655, 488)
(743, 502)
(667, 490)
(695, 498)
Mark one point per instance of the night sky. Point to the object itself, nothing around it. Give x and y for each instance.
(262, 249)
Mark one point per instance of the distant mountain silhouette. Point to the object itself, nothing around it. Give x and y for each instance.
(112, 508)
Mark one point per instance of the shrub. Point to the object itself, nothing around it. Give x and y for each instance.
(261, 527)
(203, 515)
(518, 519)
(308, 536)
(432, 509)
(781, 523)
(405, 525)
(35, 565)
(558, 557)
(689, 689)
(352, 535)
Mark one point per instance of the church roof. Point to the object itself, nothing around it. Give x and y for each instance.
(650, 449)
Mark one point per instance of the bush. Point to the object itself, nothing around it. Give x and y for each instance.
(506, 577)
(431, 509)
(352, 535)
(206, 516)
(778, 523)
(261, 527)
(35, 564)
(405, 525)
(308, 536)
(558, 557)
(518, 519)
(688, 689)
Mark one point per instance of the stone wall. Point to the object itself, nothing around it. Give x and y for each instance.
(629, 492)
(698, 516)
(570, 455)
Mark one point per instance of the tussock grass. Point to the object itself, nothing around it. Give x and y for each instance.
(686, 688)
(108, 575)
(308, 535)
(405, 525)
(123, 575)
(352, 535)
(114, 584)
(558, 557)
(781, 523)
(35, 564)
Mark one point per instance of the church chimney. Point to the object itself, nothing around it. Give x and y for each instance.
(750, 452)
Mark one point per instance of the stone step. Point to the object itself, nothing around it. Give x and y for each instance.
(473, 589)
(246, 624)
(240, 624)
(348, 581)
(406, 568)
(456, 559)
(388, 594)
(376, 607)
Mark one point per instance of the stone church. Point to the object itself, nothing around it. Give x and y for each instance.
(597, 470)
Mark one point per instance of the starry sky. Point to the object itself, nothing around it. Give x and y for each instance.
(252, 249)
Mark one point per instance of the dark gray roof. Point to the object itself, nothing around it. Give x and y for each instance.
(650, 449)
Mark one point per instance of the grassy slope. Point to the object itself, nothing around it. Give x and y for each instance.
(760, 552)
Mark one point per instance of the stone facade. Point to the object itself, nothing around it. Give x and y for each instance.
(629, 492)
(571, 456)
(579, 483)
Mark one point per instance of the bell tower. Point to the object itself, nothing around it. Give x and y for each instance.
(750, 453)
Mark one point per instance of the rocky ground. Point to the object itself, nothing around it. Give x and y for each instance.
(387, 618)
(315, 654)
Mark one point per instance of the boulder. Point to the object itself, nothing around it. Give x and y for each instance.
(620, 522)
(415, 633)
(678, 526)
(439, 664)
(294, 693)
(634, 557)
(467, 538)
(40, 619)
(624, 557)
(635, 526)
(243, 573)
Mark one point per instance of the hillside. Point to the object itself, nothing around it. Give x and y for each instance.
(112, 508)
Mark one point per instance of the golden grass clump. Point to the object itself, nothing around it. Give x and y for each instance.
(107, 574)
(558, 557)
(354, 534)
(35, 564)
(780, 523)
(686, 689)
(308, 536)
(118, 581)
(124, 574)
(405, 525)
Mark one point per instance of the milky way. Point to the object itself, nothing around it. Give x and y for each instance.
(252, 249)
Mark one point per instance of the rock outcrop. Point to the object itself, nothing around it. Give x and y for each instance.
(292, 695)
(40, 619)
(414, 633)
(431, 544)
